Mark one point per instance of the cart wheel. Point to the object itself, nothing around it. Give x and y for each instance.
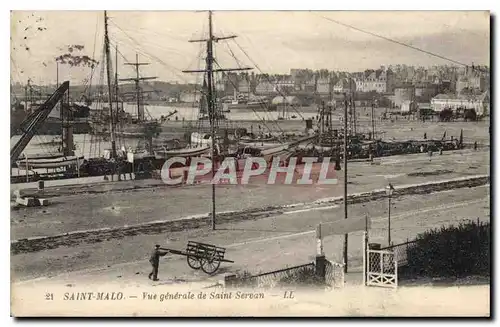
(193, 262)
(210, 266)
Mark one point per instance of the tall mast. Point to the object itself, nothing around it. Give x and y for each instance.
(138, 91)
(354, 120)
(209, 63)
(211, 108)
(116, 76)
(210, 93)
(110, 97)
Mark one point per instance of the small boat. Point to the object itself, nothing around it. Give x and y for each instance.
(249, 139)
(283, 150)
(49, 163)
(130, 134)
(40, 156)
(242, 104)
(260, 145)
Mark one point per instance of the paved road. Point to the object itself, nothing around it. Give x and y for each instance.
(262, 245)
(113, 209)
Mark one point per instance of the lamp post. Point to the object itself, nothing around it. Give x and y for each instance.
(389, 189)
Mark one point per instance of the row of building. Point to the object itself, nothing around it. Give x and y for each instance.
(469, 89)
(383, 81)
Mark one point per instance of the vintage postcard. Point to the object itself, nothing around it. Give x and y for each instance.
(250, 163)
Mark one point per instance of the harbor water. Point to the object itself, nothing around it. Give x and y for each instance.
(89, 146)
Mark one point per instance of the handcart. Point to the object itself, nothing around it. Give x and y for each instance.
(201, 255)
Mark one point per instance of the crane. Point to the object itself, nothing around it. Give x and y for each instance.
(32, 123)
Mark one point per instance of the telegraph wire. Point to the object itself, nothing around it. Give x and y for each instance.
(398, 42)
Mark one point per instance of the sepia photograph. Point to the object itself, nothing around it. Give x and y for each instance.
(223, 163)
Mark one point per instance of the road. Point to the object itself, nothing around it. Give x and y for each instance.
(266, 244)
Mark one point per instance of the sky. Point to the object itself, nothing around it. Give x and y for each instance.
(268, 41)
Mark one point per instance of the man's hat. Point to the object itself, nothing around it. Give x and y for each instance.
(157, 245)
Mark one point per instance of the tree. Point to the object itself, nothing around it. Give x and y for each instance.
(446, 115)
(470, 114)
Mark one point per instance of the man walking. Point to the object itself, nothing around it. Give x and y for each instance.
(155, 261)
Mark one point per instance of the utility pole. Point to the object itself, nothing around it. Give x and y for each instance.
(389, 190)
(110, 98)
(209, 70)
(345, 179)
(389, 223)
(138, 91)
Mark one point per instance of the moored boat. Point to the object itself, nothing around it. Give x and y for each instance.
(50, 163)
(194, 151)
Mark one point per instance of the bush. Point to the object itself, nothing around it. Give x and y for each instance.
(453, 251)
(470, 114)
(446, 115)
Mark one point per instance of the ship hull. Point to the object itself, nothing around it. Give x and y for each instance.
(124, 129)
(249, 107)
(53, 126)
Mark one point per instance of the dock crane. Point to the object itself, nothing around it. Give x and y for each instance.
(34, 121)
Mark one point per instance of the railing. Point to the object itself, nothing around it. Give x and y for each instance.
(298, 275)
(334, 274)
(401, 251)
(273, 278)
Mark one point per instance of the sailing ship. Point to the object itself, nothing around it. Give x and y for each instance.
(128, 123)
(242, 102)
